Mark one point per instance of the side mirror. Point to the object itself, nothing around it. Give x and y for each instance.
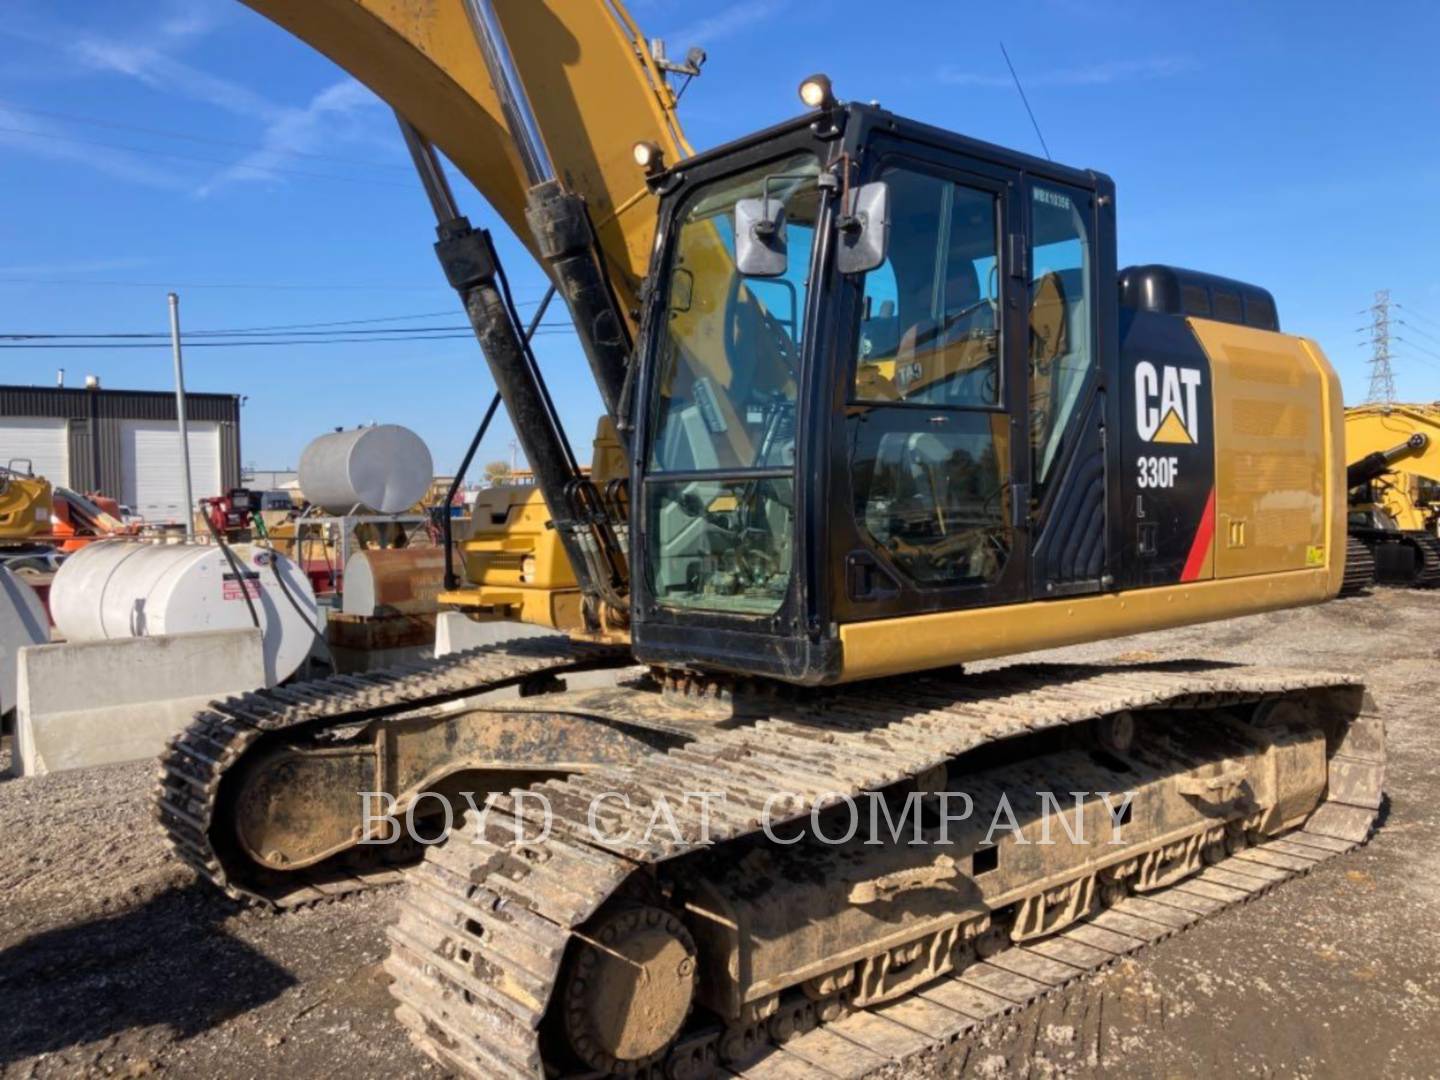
(865, 229)
(760, 237)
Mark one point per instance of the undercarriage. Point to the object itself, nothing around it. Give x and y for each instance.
(1408, 558)
(661, 877)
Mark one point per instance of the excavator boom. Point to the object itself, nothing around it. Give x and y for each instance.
(595, 89)
(1411, 489)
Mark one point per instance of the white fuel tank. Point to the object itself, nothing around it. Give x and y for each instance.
(383, 469)
(119, 589)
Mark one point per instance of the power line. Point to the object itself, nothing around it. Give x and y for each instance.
(87, 282)
(1418, 314)
(251, 344)
(188, 137)
(337, 322)
(1418, 348)
(271, 328)
(350, 322)
(1421, 360)
(142, 151)
(1417, 329)
(141, 334)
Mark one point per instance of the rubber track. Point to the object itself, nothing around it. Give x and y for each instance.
(1359, 568)
(510, 912)
(1428, 576)
(196, 761)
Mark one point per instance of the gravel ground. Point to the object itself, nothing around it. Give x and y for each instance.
(113, 962)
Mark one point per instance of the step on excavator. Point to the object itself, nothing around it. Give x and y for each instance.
(1394, 484)
(877, 403)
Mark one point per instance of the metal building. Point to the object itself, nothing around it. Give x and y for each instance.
(123, 443)
(269, 479)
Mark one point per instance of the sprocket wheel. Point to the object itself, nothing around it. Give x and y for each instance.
(630, 988)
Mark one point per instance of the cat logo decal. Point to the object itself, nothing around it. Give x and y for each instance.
(1167, 403)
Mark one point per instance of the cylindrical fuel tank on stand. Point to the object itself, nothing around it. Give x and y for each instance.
(385, 469)
(120, 589)
(394, 581)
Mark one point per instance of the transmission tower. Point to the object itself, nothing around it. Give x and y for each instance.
(1382, 379)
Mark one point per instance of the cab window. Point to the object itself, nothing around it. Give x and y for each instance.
(719, 492)
(929, 330)
(1060, 352)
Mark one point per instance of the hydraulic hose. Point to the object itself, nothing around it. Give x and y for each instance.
(285, 590)
(235, 568)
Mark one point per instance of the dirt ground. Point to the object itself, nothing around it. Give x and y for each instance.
(113, 962)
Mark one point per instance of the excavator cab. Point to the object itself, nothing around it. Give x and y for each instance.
(823, 438)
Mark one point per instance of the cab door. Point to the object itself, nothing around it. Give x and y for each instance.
(933, 511)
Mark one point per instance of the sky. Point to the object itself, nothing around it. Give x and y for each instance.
(150, 145)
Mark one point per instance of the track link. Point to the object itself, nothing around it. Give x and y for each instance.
(194, 766)
(1359, 568)
(1428, 548)
(485, 923)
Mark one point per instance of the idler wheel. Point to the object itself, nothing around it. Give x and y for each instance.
(629, 989)
(1116, 732)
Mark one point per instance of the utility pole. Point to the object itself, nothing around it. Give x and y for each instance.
(180, 415)
(1382, 379)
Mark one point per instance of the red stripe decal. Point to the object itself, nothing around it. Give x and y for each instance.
(1200, 546)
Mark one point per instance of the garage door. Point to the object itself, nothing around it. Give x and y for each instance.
(43, 442)
(154, 482)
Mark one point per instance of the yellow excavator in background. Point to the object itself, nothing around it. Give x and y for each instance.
(37, 516)
(26, 503)
(878, 402)
(1394, 479)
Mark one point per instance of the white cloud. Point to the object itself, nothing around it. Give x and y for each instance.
(330, 114)
(1088, 75)
(44, 140)
(155, 69)
(83, 266)
(193, 19)
(149, 55)
(145, 53)
(737, 17)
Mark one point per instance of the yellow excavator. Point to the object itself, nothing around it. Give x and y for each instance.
(878, 403)
(26, 505)
(1394, 480)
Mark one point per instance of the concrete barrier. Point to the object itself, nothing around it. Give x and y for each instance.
(22, 623)
(101, 702)
(455, 632)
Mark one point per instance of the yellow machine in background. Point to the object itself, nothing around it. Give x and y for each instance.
(26, 505)
(1410, 491)
(514, 566)
(513, 563)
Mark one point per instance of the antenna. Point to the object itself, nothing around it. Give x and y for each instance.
(1033, 122)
